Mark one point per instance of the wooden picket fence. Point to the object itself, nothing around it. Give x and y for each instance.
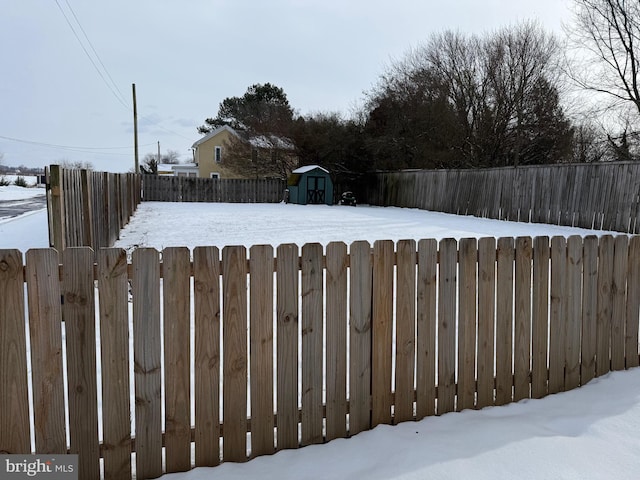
(456, 325)
(88, 208)
(164, 188)
(603, 195)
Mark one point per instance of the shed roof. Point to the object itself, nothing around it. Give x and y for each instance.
(308, 168)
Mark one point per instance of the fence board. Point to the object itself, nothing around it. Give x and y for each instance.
(573, 317)
(78, 311)
(14, 401)
(206, 298)
(114, 347)
(382, 322)
(604, 312)
(312, 335)
(360, 292)
(234, 363)
(145, 289)
(467, 331)
(336, 340)
(504, 321)
(426, 328)
(287, 345)
(261, 343)
(633, 304)
(45, 331)
(405, 330)
(589, 308)
(176, 295)
(486, 320)
(619, 297)
(540, 317)
(447, 326)
(557, 312)
(523, 319)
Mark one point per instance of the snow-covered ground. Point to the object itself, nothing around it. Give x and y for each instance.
(160, 225)
(589, 433)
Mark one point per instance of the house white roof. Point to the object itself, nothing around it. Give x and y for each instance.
(308, 168)
(213, 133)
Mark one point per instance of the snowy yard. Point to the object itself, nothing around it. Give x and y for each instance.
(589, 433)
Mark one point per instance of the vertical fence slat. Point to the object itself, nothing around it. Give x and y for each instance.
(360, 285)
(145, 287)
(504, 320)
(206, 286)
(633, 304)
(557, 315)
(540, 317)
(337, 261)
(405, 330)
(14, 401)
(468, 297)
(522, 311)
(382, 322)
(619, 298)
(312, 313)
(114, 347)
(589, 308)
(447, 325)
(78, 312)
(45, 331)
(486, 320)
(234, 363)
(176, 295)
(426, 328)
(603, 315)
(261, 343)
(287, 345)
(573, 317)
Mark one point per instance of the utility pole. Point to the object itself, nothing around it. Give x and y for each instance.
(158, 153)
(135, 129)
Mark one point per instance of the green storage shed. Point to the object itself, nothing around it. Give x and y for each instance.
(310, 185)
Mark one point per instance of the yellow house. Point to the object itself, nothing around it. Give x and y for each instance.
(208, 153)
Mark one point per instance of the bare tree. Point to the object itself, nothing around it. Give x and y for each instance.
(469, 101)
(606, 37)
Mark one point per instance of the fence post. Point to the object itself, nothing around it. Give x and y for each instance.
(57, 232)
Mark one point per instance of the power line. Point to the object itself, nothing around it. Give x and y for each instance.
(112, 86)
(115, 94)
(96, 53)
(74, 148)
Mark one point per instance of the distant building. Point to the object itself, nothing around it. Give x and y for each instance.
(211, 153)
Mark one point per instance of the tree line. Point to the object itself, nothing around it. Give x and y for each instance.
(512, 97)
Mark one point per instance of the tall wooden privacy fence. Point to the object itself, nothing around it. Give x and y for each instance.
(88, 208)
(411, 329)
(192, 189)
(596, 195)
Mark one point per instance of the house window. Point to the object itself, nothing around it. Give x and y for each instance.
(218, 154)
(215, 175)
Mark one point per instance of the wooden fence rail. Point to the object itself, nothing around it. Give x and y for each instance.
(471, 324)
(595, 195)
(164, 188)
(88, 208)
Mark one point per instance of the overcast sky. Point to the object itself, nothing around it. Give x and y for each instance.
(67, 99)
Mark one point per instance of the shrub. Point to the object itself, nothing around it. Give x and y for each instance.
(20, 182)
(4, 181)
